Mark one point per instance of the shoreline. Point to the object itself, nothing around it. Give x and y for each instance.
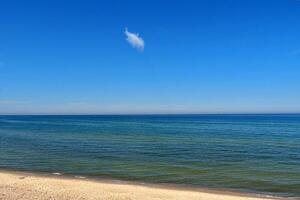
(167, 191)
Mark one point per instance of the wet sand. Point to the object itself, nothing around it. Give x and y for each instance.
(23, 186)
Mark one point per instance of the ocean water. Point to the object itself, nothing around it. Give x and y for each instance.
(258, 153)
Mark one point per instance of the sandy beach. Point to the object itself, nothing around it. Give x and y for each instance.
(22, 185)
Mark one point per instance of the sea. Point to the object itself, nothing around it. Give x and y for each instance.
(257, 153)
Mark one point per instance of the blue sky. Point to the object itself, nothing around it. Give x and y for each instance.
(214, 56)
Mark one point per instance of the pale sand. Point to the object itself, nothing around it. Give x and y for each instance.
(21, 186)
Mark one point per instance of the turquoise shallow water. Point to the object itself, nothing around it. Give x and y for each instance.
(259, 153)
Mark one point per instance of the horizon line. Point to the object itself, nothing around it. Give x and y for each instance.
(135, 114)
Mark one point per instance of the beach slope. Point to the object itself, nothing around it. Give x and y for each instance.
(19, 185)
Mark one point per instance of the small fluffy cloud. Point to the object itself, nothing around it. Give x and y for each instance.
(135, 40)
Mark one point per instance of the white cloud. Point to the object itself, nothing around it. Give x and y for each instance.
(135, 40)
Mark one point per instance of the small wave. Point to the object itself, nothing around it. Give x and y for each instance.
(57, 173)
(81, 177)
